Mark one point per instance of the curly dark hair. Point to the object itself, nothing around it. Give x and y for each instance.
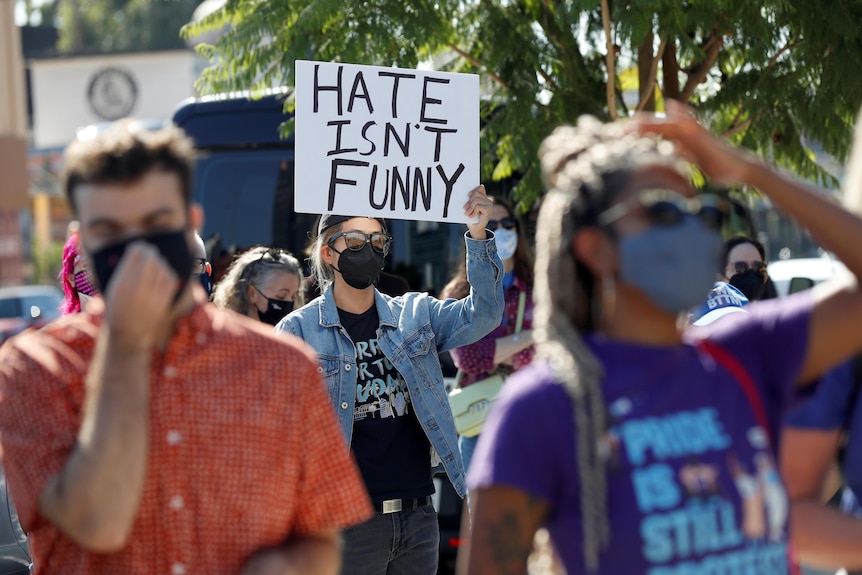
(738, 241)
(124, 153)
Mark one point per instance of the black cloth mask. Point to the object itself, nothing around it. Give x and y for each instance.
(750, 283)
(360, 269)
(275, 309)
(173, 246)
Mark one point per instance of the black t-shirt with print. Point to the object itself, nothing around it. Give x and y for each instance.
(390, 446)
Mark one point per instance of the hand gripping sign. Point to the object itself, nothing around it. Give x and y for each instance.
(385, 142)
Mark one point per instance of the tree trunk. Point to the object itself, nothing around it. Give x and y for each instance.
(646, 84)
(610, 92)
(670, 72)
(77, 27)
(712, 47)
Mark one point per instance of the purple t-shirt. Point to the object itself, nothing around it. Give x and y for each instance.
(693, 485)
(836, 404)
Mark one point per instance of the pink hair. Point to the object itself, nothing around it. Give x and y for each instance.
(71, 303)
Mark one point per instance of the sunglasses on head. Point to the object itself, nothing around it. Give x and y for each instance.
(509, 223)
(742, 267)
(274, 254)
(668, 208)
(356, 240)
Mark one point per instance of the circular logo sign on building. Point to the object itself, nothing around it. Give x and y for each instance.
(112, 93)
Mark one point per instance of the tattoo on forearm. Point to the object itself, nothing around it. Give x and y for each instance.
(509, 540)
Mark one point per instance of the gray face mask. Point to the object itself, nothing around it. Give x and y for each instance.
(672, 265)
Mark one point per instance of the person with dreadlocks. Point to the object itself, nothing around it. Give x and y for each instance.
(628, 437)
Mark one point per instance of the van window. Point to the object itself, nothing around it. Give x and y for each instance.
(10, 307)
(800, 284)
(247, 197)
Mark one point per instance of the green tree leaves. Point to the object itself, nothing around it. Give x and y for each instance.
(119, 25)
(776, 76)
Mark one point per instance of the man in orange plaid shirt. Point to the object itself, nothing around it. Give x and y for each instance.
(156, 433)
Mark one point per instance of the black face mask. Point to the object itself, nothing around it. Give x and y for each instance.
(275, 309)
(360, 269)
(750, 283)
(172, 246)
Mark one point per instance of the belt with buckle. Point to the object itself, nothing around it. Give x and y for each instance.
(396, 505)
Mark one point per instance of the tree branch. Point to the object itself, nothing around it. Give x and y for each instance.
(502, 83)
(670, 72)
(653, 72)
(574, 67)
(792, 43)
(698, 74)
(735, 128)
(478, 65)
(609, 59)
(550, 81)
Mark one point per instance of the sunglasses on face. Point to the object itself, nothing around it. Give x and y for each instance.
(742, 267)
(509, 223)
(201, 266)
(668, 208)
(356, 240)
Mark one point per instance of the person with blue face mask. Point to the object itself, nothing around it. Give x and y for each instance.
(642, 445)
(509, 347)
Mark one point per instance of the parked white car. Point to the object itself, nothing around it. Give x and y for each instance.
(791, 276)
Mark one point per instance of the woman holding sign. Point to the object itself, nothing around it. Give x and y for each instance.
(378, 357)
(640, 446)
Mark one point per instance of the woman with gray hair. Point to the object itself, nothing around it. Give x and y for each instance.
(263, 283)
(627, 439)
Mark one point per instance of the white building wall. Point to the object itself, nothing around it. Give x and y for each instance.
(70, 93)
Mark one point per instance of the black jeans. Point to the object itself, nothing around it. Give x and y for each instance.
(401, 543)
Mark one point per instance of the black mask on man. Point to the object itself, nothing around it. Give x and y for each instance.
(362, 268)
(750, 283)
(172, 246)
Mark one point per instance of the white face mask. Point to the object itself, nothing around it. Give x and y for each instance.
(507, 242)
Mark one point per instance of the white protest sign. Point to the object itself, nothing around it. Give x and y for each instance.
(385, 142)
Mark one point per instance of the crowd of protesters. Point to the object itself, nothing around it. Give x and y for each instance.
(663, 410)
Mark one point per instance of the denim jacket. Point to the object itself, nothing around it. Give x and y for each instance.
(413, 328)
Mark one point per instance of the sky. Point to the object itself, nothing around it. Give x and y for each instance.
(20, 14)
